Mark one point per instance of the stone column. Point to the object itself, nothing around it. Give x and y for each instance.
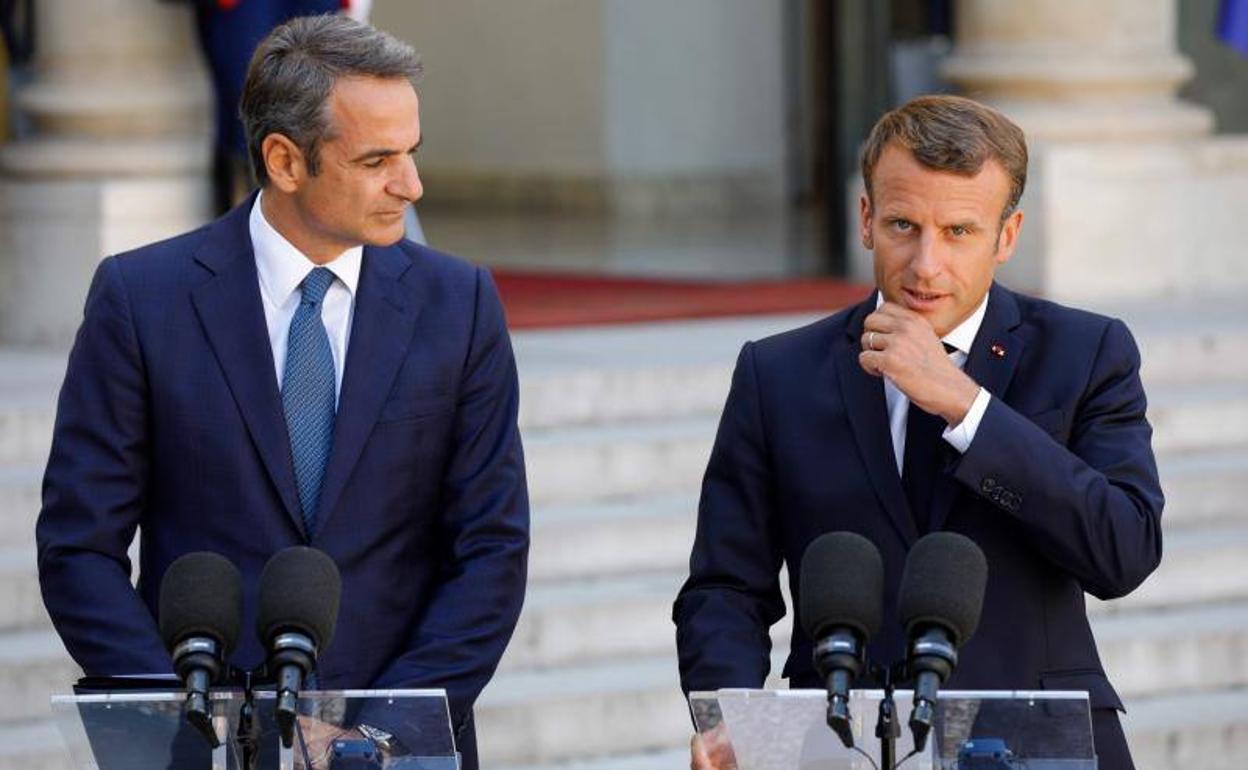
(117, 155)
(1128, 196)
(1077, 69)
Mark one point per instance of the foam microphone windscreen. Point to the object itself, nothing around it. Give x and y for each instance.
(943, 583)
(299, 592)
(201, 594)
(841, 584)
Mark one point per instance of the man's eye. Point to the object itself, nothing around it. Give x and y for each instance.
(375, 163)
(959, 230)
(901, 225)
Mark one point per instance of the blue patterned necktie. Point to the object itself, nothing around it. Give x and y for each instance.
(308, 393)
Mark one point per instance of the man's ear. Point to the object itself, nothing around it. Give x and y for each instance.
(284, 162)
(1007, 240)
(864, 222)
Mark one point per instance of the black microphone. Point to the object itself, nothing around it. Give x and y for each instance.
(842, 595)
(941, 595)
(201, 609)
(299, 593)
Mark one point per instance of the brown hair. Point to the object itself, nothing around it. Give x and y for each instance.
(951, 133)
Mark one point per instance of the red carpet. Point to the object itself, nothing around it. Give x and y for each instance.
(536, 300)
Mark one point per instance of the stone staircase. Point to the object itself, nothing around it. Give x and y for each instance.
(618, 424)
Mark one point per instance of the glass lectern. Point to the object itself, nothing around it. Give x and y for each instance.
(989, 730)
(148, 731)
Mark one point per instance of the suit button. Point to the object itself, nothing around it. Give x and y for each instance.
(988, 484)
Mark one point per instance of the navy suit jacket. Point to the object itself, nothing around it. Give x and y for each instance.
(1059, 488)
(170, 420)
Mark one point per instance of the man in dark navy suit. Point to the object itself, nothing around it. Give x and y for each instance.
(1025, 430)
(295, 373)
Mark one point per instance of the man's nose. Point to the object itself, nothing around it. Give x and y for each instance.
(929, 259)
(406, 183)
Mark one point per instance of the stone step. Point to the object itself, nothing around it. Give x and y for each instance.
(1197, 566)
(594, 462)
(1200, 587)
(543, 717)
(1188, 342)
(570, 623)
(654, 533)
(1183, 731)
(673, 368)
(678, 368)
(33, 745)
(19, 504)
(655, 372)
(33, 666)
(601, 462)
(615, 537)
(574, 539)
(1206, 488)
(670, 759)
(1200, 648)
(617, 461)
(25, 430)
(1190, 417)
(21, 604)
(631, 372)
(29, 382)
(584, 538)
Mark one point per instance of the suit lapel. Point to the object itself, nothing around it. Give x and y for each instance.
(997, 348)
(867, 411)
(381, 332)
(229, 307)
(993, 358)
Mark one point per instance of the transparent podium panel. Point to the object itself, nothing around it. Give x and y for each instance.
(149, 731)
(981, 730)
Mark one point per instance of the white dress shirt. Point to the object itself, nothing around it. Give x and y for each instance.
(281, 268)
(961, 435)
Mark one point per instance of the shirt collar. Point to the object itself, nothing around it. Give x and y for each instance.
(961, 336)
(282, 267)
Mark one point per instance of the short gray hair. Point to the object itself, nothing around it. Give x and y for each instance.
(294, 69)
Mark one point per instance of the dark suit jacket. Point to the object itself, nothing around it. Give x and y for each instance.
(170, 420)
(1059, 488)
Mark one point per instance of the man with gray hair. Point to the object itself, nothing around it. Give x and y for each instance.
(295, 373)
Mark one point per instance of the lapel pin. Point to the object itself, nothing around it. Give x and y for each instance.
(998, 350)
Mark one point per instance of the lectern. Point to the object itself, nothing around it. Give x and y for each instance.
(148, 731)
(988, 730)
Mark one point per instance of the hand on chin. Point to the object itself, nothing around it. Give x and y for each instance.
(901, 344)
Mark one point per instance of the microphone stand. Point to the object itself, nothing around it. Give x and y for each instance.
(248, 729)
(887, 728)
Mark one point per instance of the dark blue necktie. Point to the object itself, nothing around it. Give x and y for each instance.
(924, 460)
(308, 393)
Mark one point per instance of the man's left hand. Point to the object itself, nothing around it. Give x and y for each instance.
(319, 739)
(900, 344)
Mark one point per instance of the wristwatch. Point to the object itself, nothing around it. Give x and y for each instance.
(384, 741)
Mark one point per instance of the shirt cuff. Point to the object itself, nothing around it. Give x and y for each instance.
(961, 435)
